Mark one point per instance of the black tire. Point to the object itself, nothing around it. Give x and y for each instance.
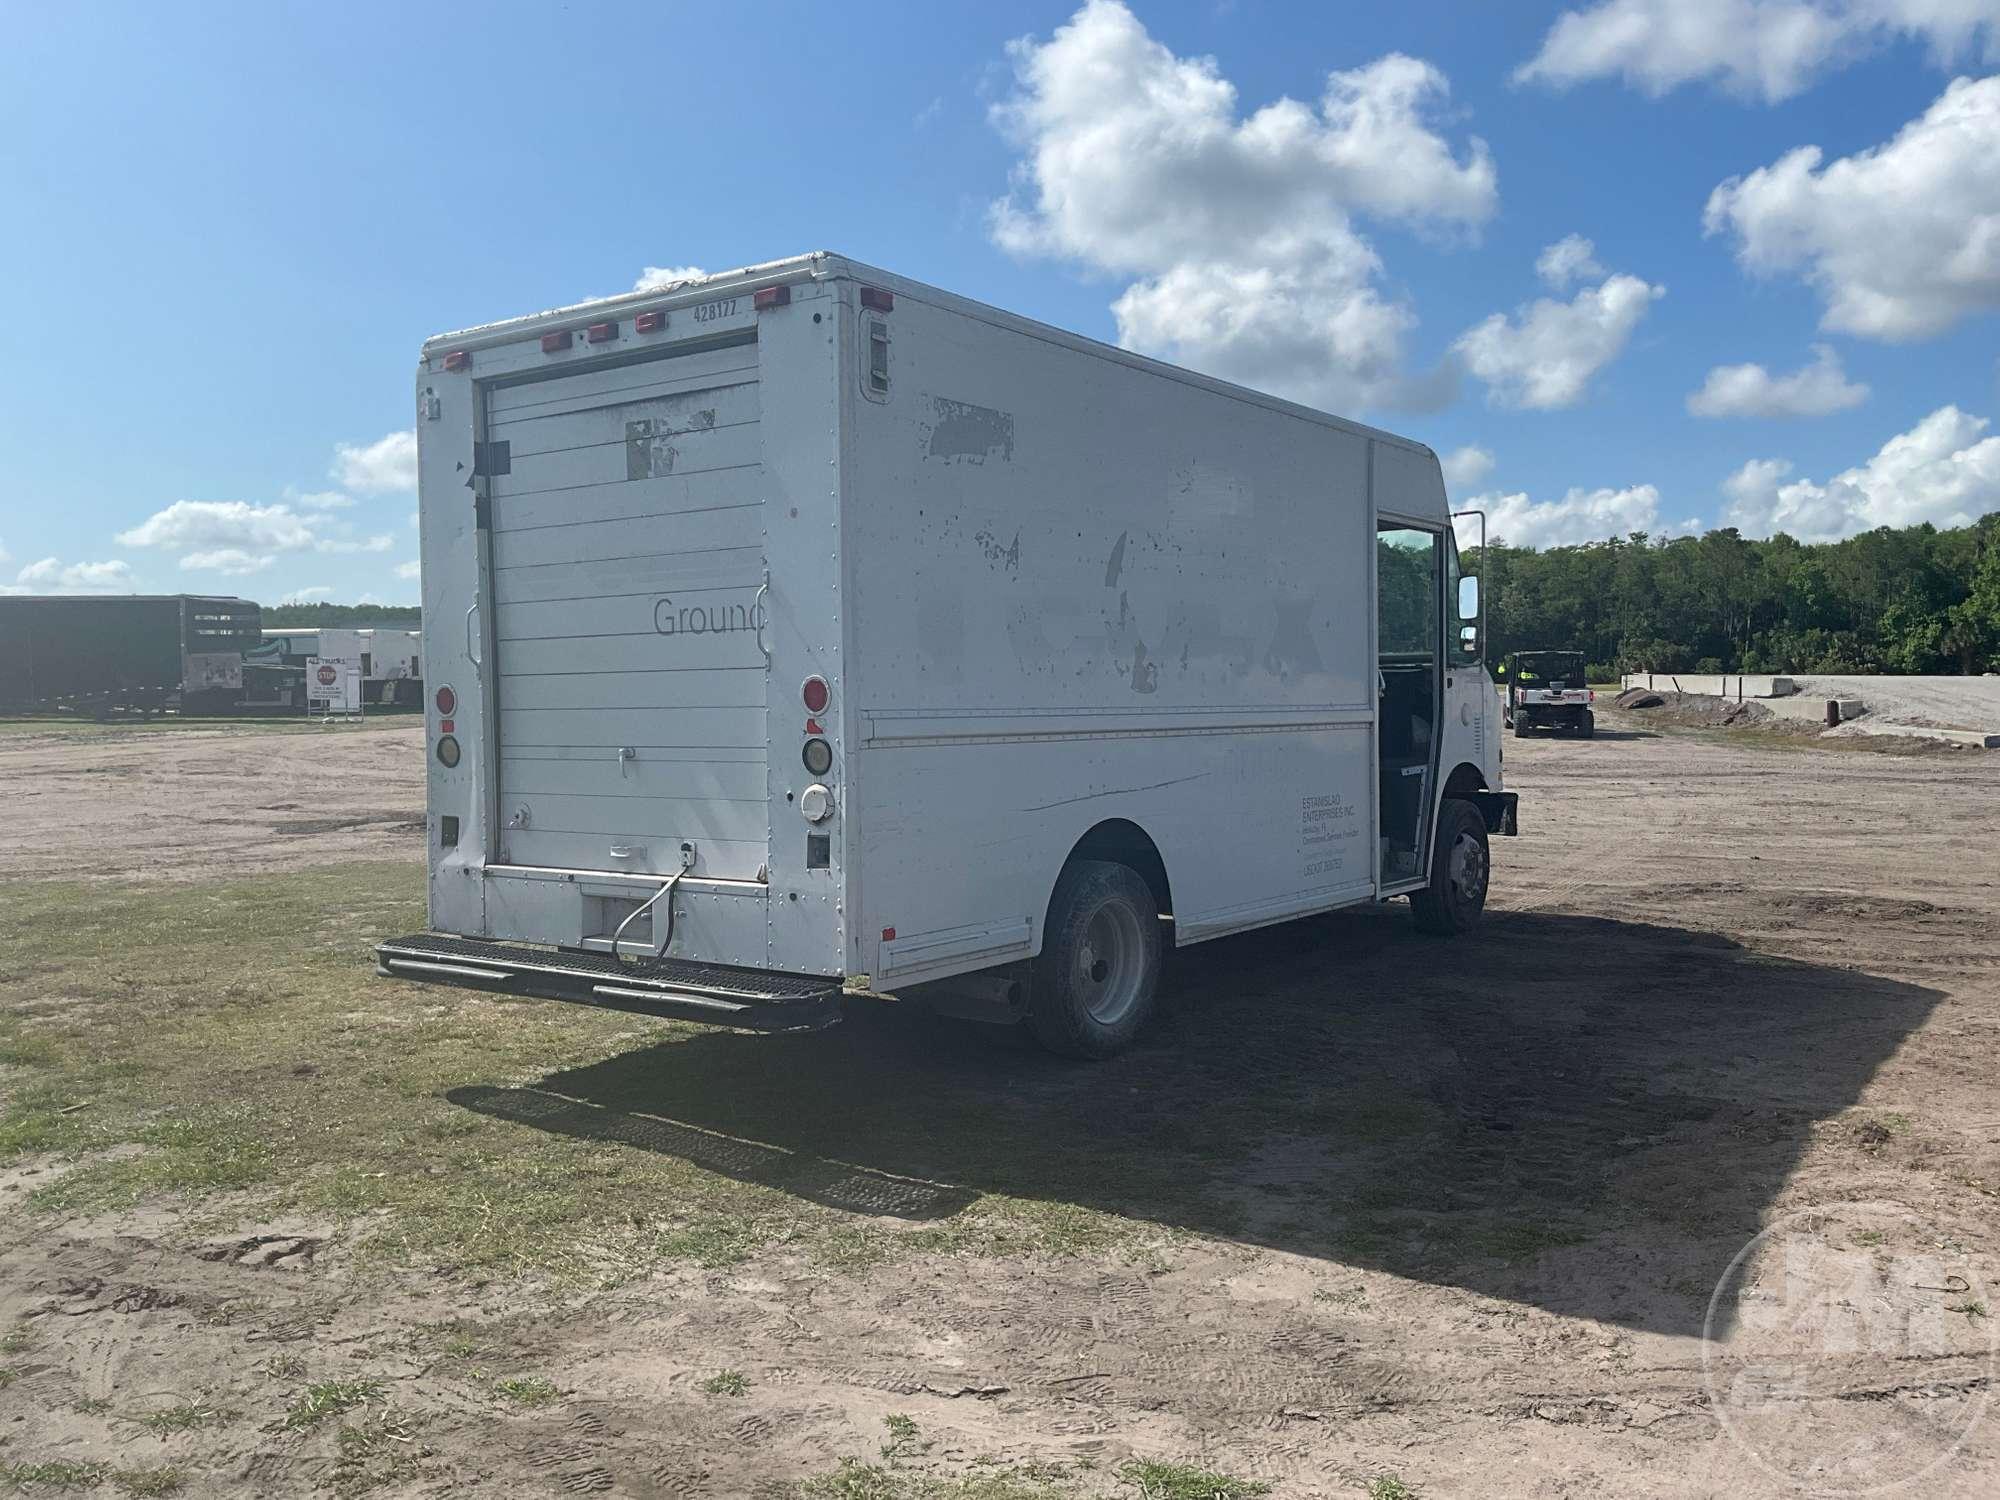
(1461, 869)
(1094, 986)
(1522, 724)
(1587, 725)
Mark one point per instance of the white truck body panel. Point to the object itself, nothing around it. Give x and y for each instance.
(1054, 588)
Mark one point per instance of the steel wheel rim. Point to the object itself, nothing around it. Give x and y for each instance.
(1468, 869)
(1109, 966)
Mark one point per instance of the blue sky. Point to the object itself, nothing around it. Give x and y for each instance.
(228, 236)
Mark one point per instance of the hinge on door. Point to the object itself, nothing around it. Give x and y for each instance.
(492, 458)
(482, 513)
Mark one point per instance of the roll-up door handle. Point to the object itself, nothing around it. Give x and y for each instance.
(470, 651)
(757, 615)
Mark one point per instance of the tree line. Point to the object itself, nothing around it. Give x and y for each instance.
(1909, 600)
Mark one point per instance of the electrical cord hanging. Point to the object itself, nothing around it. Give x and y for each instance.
(667, 890)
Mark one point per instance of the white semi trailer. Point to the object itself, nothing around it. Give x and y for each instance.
(806, 630)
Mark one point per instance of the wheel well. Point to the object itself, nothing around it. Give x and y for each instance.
(1466, 778)
(1126, 843)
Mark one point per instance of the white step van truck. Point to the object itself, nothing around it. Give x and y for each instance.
(806, 632)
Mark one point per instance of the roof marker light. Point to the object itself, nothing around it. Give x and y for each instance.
(555, 343)
(458, 359)
(649, 322)
(875, 299)
(771, 296)
(601, 333)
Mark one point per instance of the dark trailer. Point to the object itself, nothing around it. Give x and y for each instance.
(99, 654)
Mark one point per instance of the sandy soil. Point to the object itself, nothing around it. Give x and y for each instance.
(1719, 989)
(190, 804)
(1944, 702)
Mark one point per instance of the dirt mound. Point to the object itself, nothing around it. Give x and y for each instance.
(1695, 710)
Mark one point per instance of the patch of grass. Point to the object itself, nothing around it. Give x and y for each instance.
(527, 1390)
(1869, 1237)
(284, 1367)
(1346, 1296)
(56, 1474)
(905, 1437)
(1169, 1481)
(90, 1406)
(381, 1451)
(1972, 1309)
(855, 1480)
(329, 1398)
(1389, 1487)
(14, 1340)
(8, 1377)
(183, 1416)
(165, 1480)
(726, 1383)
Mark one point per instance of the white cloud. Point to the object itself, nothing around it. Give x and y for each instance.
(1942, 471)
(231, 536)
(1902, 241)
(318, 499)
(209, 525)
(1580, 516)
(1237, 232)
(411, 570)
(311, 595)
(1544, 357)
(1751, 390)
(1465, 467)
(1756, 49)
(1570, 259)
(232, 560)
(657, 278)
(5, 555)
(52, 576)
(387, 464)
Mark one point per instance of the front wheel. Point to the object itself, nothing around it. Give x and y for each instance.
(1461, 866)
(1099, 968)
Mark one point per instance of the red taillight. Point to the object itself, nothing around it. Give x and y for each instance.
(651, 322)
(447, 726)
(771, 296)
(875, 299)
(458, 359)
(888, 934)
(447, 700)
(555, 343)
(601, 333)
(816, 695)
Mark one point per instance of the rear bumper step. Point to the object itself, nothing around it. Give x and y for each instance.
(679, 989)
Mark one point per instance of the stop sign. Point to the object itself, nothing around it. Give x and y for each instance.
(327, 675)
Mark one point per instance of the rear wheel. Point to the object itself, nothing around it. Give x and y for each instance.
(1461, 867)
(1587, 725)
(1095, 981)
(1521, 725)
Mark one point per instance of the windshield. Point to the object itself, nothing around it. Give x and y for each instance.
(1556, 666)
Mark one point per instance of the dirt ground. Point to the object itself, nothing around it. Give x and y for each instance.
(1367, 1214)
(192, 802)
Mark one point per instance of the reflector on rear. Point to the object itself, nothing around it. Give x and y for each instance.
(554, 342)
(771, 296)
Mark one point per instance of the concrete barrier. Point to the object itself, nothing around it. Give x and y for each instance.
(1735, 686)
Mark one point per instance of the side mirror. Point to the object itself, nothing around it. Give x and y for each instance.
(1468, 598)
(1468, 640)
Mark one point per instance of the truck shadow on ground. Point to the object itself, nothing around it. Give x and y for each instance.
(1581, 1114)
